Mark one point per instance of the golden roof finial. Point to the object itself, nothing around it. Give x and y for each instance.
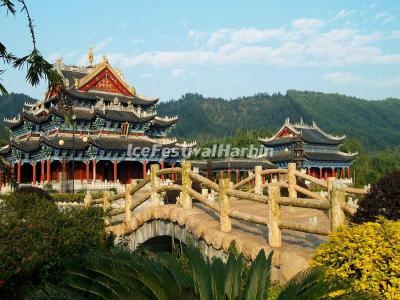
(105, 59)
(91, 56)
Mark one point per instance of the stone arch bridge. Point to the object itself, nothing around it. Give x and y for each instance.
(267, 210)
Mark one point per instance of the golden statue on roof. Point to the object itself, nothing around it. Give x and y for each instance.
(91, 56)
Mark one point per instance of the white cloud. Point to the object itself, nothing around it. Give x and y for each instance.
(305, 43)
(307, 24)
(344, 13)
(348, 78)
(102, 44)
(196, 35)
(395, 34)
(339, 77)
(176, 73)
(383, 18)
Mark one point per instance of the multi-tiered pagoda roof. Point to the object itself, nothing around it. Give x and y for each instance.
(95, 116)
(309, 146)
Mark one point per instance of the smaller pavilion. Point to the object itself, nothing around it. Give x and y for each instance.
(311, 148)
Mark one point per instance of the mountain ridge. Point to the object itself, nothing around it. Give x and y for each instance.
(375, 123)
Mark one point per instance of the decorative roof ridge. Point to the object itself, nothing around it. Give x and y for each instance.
(97, 69)
(286, 124)
(60, 66)
(349, 154)
(333, 137)
(162, 141)
(146, 98)
(15, 119)
(5, 147)
(264, 155)
(31, 105)
(185, 144)
(115, 105)
(166, 118)
(106, 92)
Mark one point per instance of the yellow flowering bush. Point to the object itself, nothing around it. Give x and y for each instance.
(368, 254)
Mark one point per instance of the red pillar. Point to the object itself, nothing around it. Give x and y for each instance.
(229, 174)
(19, 172)
(333, 172)
(87, 171)
(64, 170)
(94, 170)
(162, 167)
(48, 171)
(326, 174)
(320, 173)
(144, 169)
(115, 171)
(237, 175)
(42, 177)
(34, 172)
(348, 172)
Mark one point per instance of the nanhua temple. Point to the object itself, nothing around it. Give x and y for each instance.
(311, 148)
(107, 117)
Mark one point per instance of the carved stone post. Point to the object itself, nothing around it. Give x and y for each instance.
(87, 201)
(155, 182)
(258, 180)
(330, 183)
(106, 206)
(128, 203)
(292, 180)
(186, 185)
(274, 214)
(336, 214)
(225, 222)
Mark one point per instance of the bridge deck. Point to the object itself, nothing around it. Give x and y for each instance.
(301, 243)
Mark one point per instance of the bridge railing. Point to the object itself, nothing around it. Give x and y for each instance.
(151, 188)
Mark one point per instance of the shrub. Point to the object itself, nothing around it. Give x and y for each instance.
(382, 200)
(48, 187)
(64, 197)
(33, 190)
(36, 240)
(368, 253)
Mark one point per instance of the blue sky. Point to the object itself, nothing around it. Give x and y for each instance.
(221, 48)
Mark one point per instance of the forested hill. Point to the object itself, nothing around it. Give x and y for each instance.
(375, 123)
(10, 105)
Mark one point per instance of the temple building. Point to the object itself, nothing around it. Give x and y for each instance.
(107, 118)
(314, 150)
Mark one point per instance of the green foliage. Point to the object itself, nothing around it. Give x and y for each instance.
(374, 123)
(28, 191)
(64, 197)
(368, 253)
(121, 274)
(36, 240)
(369, 168)
(382, 200)
(10, 105)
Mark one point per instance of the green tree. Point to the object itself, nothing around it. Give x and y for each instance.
(36, 239)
